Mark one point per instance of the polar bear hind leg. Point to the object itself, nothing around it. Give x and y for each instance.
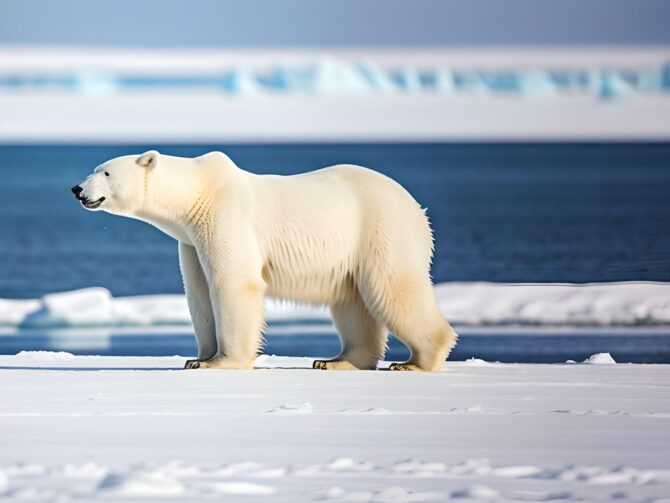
(415, 319)
(393, 277)
(409, 309)
(363, 337)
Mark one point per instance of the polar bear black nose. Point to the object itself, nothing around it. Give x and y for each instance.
(76, 190)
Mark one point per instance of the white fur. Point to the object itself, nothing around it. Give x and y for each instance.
(344, 236)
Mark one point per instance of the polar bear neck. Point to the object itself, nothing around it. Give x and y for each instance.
(172, 193)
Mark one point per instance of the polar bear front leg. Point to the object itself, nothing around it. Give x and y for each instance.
(199, 304)
(236, 290)
(238, 310)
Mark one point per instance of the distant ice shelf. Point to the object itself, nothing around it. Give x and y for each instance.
(357, 95)
(332, 77)
(603, 75)
(478, 303)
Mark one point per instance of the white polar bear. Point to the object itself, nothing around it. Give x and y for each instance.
(345, 236)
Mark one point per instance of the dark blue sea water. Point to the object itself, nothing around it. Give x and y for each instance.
(520, 345)
(511, 212)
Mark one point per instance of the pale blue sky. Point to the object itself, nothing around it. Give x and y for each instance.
(333, 23)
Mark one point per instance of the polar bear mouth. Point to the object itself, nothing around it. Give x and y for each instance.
(92, 204)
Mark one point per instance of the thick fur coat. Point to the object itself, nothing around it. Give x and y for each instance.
(344, 236)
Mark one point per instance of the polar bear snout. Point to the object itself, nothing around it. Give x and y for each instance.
(77, 190)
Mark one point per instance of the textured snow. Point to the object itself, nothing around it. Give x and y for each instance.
(597, 304)
(90, 428)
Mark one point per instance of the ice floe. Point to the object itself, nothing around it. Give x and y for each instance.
(600, 359)
(598, 304)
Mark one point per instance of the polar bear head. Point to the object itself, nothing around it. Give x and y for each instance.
(119, 185)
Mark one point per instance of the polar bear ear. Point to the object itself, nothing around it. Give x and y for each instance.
(148, 159)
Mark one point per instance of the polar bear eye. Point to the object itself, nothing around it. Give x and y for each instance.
(106, 173)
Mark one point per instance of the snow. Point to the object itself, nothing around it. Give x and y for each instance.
(428, 117)
(600, 359)
(625, 303)
(91, 428)
(597, 304)
(45, 356)
(475, 362)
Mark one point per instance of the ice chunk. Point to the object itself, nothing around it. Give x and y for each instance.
(537, 83)
(475, 362)
(600, 359)
(89, 306)
(336, 77)
(46, 356)
(613, 86)
(146, 485)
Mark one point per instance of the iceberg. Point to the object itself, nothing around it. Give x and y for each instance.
(335, 77)
(444, 81)
(613, 86)
(537, 83)
(377, 78)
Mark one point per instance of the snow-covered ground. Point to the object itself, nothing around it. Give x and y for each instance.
(128, 429)
(478, 303)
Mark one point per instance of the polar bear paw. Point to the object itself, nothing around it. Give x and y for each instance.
(192, 364)
(405, 367)
(219, 362)
(333, 365)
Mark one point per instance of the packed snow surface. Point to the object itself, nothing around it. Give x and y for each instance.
(596, 304)
(76, 428)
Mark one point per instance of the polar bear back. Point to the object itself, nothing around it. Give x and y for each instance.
(317, 230)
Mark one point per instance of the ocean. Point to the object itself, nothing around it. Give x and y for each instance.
(504, 213)
(522, 213)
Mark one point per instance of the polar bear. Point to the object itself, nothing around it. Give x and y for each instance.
(344, 236)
